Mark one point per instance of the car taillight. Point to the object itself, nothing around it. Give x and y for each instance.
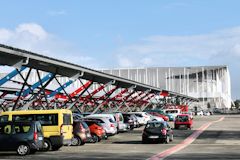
(61, 129)
(35, 136)
(164, 131)
(111, 125)
(82, 128)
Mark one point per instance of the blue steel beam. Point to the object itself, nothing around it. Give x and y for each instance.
(58, 90)
(36, 85)
(11, 75)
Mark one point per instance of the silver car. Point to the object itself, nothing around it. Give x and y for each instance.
(107, 123)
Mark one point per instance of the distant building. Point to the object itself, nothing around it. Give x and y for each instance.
(210, 84)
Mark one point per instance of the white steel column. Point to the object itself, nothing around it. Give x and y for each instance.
(180, 79)
(157, 79)
(197, 84)
(203, 86)
(166, 81)
(169, 80)
(184, 80)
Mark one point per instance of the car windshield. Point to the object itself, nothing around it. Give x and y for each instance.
(171, 111)
(182, 118)
(110, 120)
(138, 115)
(155, 125)
(3, 118)
(84, 125)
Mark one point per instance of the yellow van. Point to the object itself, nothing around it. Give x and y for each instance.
(56, 125)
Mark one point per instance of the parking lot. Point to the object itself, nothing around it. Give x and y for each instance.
(220, 140)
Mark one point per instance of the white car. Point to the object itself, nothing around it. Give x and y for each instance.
(173, 112)
(156, 118)
(206, 113)
(142, 117)
(120, 122)
(199, 113)
(111, 116)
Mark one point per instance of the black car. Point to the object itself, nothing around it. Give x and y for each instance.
(23, 137)
(156, 131)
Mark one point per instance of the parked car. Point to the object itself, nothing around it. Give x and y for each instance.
(56, 125)
(206, 113)
(97, 131)
(135, 120)
(127, 118)
(142, 117)
(165, 118)
(81, 133)
(199, 113)
(156, 118)
(172, 113)
(121, 125)
(22, 137)
(106, 115)
(189, 113)
(183, 120)
(156, 131)
(168, 117)
(107, 123)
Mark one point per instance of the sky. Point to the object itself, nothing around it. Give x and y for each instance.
(128, 33)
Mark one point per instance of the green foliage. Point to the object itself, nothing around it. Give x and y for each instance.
(237, 103)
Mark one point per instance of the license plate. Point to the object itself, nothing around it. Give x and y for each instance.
(89, 135)
(40, 138)
(153, 137)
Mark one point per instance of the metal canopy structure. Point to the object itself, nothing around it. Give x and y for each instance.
(11, 56)
(122, 93)
(181, 96)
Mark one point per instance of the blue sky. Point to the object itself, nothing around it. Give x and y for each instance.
(128, 33)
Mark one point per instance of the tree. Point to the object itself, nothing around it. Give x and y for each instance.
(208, 105)
(237, 103)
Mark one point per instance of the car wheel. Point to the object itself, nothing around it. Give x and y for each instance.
(82, 143)
(47, 145)
(95, 138)
(176, 127)
(167, 140)
(76, 141)
(171, 138)
(23, 149)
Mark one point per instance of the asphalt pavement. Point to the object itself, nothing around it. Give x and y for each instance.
(221, 140)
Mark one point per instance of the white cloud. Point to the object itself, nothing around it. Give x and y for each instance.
(172, 49)
(33, 37)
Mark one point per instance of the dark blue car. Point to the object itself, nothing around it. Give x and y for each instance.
(22, 137)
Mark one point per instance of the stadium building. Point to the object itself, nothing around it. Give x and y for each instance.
(210, 84)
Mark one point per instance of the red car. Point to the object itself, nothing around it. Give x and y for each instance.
(183, 120)
(97, 132)
(165, 118)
